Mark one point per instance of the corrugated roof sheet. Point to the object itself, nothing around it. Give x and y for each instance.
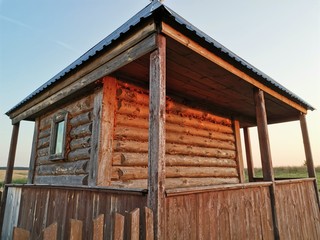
(136, 19)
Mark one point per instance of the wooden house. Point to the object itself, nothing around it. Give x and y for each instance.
(148, 121)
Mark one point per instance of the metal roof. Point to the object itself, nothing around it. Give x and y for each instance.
(146, 12)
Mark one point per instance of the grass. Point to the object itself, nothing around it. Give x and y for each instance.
(290, 172)
(19, 176)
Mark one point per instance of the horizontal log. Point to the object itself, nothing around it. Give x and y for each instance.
(45, 123)
(81, 131)
(43, 142)
(44, 133)
(143, 123)
(80, 143)
(128, 173)
(63, 168)
(79, 154)
(131, 133)
(43, 159)
(43, 152)
(140, 111)
(142, 98)
(174, 149)
(62, 179)
(176, 182)
(141, 159)
(81, 119)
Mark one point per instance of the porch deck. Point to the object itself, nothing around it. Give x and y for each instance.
(235, 211)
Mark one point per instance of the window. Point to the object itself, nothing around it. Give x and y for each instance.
(58, 136)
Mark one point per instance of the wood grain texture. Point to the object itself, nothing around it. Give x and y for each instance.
(247, 142)
(75, 229)
(135, 224)
(239, 157)
(106, 130)
(50, 233)
(157, 136)
(118, 227)
(149, 231)
(33, 152)
(98, 227)
(262, 125)
(20, 234)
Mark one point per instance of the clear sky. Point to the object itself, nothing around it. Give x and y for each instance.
(281, 38)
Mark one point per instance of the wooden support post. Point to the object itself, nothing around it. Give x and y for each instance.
(9, 171)
(75, 229)
(308, 153)
(33, 152)
(236, 126)
(20, 234)
(262, 125)
(156, 153)
(51, 232)
(247, 143)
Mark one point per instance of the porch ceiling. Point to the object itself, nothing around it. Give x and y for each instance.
(203, 84)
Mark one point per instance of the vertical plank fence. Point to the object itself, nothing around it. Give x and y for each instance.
(76, 228)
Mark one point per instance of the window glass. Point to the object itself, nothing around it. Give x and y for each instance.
(59, 138)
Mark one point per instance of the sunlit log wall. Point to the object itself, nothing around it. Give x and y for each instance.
(73, 169)
(200, 147)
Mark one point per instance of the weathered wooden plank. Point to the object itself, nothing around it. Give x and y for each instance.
(141, 159)
(135, 224)
(79, 154)
(239, 159)
(43, 142)
(62, 179)
(75, 229)
(149, 231)
(33, 152)
(157, 136)
(250, 166)
(51, 232)
(107, 128)
(118, 227)
(77, 143)
(71, 168)
(44, 133)
(81, 119)
(98, 224)
(20, 234)
(263, 134)
(115, 63)
(96, 133)
(10, 211)
(81, 131)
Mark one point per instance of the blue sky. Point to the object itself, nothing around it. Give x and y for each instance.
(281, 38)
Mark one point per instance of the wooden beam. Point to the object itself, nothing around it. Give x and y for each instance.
(95, 142)
(308, 153)
(9, 171)
(104, 166)
(157, 112)
(239, 158)
(250, 166)
(178, 36)
(33, 151)
(124, 45)
(133, 53)
(262, 125)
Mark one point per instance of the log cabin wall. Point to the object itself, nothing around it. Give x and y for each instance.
(73, 169)
(200, 147)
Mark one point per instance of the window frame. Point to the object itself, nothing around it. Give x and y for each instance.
(57, 118)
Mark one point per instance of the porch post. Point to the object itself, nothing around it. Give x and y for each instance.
(10, 166)
(247, 142)
(308, 153)
(262, 125)
(156, 155)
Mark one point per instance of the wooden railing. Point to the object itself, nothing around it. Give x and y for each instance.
(34, 208)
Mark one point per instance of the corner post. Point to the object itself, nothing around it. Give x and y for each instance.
(236, 127)
(9, 171)
(308, 153)
(247, 143)
(264, 143)
(157, 139)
